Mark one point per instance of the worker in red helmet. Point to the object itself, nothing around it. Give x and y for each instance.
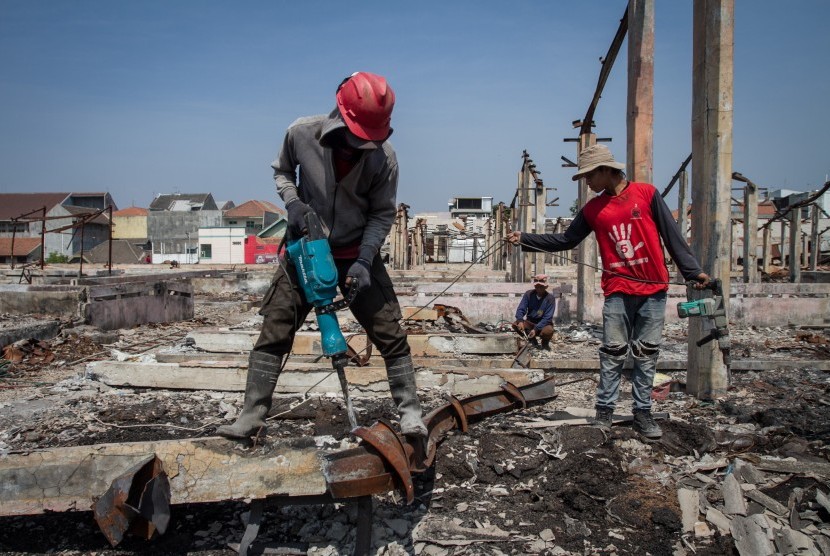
(342, 167)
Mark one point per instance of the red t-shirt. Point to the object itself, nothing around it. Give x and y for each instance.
(628, 240)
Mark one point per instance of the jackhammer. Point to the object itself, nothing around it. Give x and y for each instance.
(317, 275)
(714, 310)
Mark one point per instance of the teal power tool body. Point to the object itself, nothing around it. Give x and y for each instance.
(317, 276)
(714, 310)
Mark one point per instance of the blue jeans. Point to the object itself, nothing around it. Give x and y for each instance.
(630, 323)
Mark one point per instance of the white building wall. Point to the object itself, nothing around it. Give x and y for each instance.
(227, 245)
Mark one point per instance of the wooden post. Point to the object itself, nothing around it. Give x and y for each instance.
(528, 212)
(640, 122)
(683, 212)
(541, 206)
(765, 266)
(43, 242)
(795, 245)
(498, 253)
(750, 233)
(815, 238)
(586, 276)
(712, 78)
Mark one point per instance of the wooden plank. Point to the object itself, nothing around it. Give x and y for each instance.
(200, 470)
(769, 503)
(800, 467)
(419, 313)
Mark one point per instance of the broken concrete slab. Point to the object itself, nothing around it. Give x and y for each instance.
(199, 470)
(753, 535)
(27, 328)
(689, 500)
(308, 343)
(733, 497)
(108, 307)
(300, 378)
(716, 518)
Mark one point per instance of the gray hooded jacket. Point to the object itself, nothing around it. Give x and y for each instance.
(358, 209)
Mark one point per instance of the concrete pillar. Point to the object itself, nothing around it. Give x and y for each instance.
(795, 245)
(784, 244)
(750, 233)
(712, 78)
(586, 276)
(683, 211)
(765, 267)
(640, 122)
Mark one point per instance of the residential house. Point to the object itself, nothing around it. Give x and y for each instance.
(130, 223)
(62, 210)
(173, 223)
(26, 250)
(254, 215)
(222, 245)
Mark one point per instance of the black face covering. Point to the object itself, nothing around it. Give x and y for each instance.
(339, 144)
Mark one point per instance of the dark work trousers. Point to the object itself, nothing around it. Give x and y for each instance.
(376, 309)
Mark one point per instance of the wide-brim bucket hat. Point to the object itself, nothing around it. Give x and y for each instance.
(593, 157)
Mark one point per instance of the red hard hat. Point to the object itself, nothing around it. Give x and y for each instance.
(365, 101)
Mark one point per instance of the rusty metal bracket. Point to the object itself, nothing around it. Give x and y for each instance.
(460, 416)
(386, 457)
(383, 438)
(514, 392)
(138, 502)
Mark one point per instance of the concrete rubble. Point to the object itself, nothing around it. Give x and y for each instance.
(747, 474)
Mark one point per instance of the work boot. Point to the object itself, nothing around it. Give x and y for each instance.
(263, 371)
(604, 418)
(546, 345)
(401, 377)
(645, 425)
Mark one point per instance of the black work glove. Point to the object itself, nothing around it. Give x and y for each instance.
(296, 218)
(360, 272)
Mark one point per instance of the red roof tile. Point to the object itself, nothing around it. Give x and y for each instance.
(253, 208)
(131, 211)
(22, 246)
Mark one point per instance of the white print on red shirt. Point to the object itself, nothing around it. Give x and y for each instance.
(622, 237)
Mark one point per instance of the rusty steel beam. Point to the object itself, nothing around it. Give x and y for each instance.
(607, 64)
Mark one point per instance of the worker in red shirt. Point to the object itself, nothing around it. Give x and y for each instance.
(629, 219)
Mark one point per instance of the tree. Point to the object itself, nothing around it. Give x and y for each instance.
(56, 258)
(574, 207)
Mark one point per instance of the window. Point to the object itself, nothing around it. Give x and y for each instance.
(205, 250)
(468, 204)
(237, 243)
(231, 222)
(249, 223)
(6, 227)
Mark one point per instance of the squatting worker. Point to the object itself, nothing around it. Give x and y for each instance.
(534, 315)
(628, 220)
(341, 167)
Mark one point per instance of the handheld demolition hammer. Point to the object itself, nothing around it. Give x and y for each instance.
(714, 310)
(317, 275)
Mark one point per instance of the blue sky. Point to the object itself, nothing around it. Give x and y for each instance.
(140, 98)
